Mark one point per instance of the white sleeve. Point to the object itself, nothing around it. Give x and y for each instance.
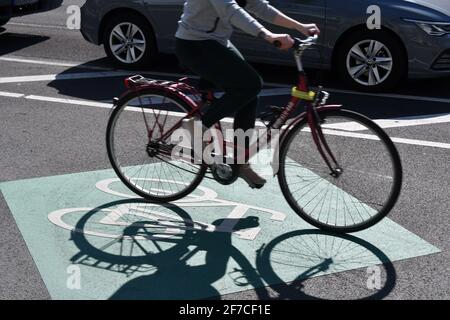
(229, 10)
(262, 9)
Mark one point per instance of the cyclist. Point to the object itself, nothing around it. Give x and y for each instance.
(203, 46)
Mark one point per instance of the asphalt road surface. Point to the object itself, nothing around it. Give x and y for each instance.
(52, 89)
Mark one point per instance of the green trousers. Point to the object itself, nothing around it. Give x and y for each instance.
(227, 69)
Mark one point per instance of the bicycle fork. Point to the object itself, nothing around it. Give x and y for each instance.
(314, 122)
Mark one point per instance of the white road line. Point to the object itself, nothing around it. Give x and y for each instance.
(228, 120)
(104, 105)
(65, 76)
(392, 96)
(385, 123)
(283, 87)
(42, 62)
(103, 74)
(379, 95)
(11, 94)
(394, 123)
(95, 75)
(424, 143)
(80, 65)
(37, 25)
(70, 101)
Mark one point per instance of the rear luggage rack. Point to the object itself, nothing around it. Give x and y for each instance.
(137, 82)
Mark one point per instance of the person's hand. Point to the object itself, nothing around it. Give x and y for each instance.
(285, 40)
(308, 29)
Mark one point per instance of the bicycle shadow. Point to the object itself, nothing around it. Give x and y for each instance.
(168, 272)
(362, 270)
(172, 278)
(196, 280)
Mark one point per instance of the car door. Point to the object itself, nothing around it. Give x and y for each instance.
(164, 16)
(305, 11)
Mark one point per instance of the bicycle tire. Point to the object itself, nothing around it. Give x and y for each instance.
(122, 103)
(392, 154)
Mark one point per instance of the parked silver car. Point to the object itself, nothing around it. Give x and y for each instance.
(414, 39)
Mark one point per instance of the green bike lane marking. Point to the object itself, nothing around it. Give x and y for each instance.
(91, 240)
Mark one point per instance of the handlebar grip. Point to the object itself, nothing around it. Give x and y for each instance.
(314, 37)
(298, 42)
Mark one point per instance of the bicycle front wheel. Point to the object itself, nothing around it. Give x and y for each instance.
(370, 180)
(140, 148)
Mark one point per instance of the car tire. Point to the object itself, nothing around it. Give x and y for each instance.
(3, 22)
(371, 61)
(141, 51)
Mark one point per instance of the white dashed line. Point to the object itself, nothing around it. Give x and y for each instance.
(65, 76)
(283, 88)
(11, 94)
(227, 120)
(392, 96)
(81, 65)
(396, 122)
(70, 101)
(43, 62)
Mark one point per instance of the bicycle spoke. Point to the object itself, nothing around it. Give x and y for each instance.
(154, 173)
(354, 197)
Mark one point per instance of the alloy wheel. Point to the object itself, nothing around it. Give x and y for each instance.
(369, 62)
(127, 43)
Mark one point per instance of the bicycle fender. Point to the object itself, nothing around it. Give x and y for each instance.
(164, 89)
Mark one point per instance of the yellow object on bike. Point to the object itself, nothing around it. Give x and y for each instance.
(303, 94)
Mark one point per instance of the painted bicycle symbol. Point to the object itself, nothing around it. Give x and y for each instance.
(113, 221)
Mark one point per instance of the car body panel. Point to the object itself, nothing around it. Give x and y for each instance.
(332, 17)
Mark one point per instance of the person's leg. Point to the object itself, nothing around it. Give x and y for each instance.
(227, 69)
(245, 117)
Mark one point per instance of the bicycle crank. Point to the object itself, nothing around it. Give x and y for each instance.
(224, 173)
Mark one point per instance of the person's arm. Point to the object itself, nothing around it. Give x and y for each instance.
(229, 10)
(263, 10)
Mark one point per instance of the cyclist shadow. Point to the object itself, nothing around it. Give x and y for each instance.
(173, 277)
(176, 279)
(176, 276)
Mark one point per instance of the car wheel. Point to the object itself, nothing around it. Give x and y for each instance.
(129, 41)
(3, 22)
(371, 60)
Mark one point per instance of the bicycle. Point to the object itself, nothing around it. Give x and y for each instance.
(338, 170)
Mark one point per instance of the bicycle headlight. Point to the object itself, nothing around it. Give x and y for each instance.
(432, 28)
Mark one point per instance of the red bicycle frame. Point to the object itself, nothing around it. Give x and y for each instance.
(312, 112)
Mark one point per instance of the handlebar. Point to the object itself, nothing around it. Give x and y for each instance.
(300, 43)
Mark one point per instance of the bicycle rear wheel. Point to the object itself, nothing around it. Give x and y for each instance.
(358, 198)
(140, 157)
